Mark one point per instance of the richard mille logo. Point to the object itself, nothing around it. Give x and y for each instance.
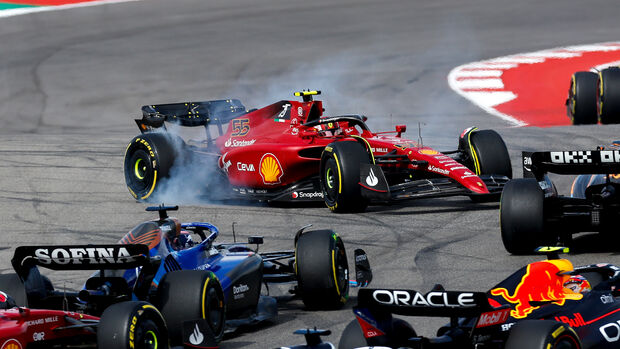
(372, 180)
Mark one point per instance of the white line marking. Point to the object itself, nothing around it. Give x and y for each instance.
(479, 73)
(26, 10)
(479, 83)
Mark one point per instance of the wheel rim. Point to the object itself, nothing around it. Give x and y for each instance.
(147, 336)
(140, 172)
(139, 169)
(342, 270)
(215, 311)
(330, 182)
(566, 342)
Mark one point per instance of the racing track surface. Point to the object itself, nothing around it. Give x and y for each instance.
(71, 81)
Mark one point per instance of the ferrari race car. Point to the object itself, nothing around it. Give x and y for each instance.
(22, 327)
(289, 151)
(532, 213)
(201, 289)
(594, 96)
(546, 304)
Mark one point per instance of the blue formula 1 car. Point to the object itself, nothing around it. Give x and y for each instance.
(202, 289)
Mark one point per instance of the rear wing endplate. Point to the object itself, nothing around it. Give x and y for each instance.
(573, 162)
(438, 303)
(190, 113)
(80, 257)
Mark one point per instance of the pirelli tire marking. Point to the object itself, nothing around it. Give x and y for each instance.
(509, 87)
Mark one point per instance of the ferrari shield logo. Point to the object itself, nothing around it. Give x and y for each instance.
(270, 169)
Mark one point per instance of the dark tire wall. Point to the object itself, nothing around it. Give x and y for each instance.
(318, 256)
(582, 98)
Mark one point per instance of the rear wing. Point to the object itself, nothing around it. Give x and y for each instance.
(190, 113)
(437, 303)
(574, 162)
(80, 257)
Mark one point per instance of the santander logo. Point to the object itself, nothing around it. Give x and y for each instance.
(530, 88)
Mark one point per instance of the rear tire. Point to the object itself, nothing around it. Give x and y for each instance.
(322, 270)
(522, 215)
(581, 106)
(13, 286)
(542, 334)
(340, 176)
(132, 325)
(148, 160)
(609, 95)
(180, 296)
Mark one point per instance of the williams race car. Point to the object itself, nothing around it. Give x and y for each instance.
(532, 213)
(546, 304)
(22, 327)
(200, 288)
(289, 151)
(594, 96)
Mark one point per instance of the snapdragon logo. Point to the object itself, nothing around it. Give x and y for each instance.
(304, 195)
(232, 143)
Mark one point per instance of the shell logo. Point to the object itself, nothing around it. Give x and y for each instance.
(12, 344)
(270, 169)
(428, 152)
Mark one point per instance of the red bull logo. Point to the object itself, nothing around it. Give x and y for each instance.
(542, 282)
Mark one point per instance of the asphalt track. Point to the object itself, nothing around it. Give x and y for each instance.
(71, 81)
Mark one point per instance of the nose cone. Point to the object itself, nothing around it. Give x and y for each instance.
(475, 184)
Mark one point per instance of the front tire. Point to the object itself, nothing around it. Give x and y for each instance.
(581, 106)
(132, 325)
(340, 176)
(322, 270)
(148, 160)
(189, 295)
(522, 215)
(542, 334)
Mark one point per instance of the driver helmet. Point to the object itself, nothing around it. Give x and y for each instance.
(577, 284)
(6, 302)
(182, 241)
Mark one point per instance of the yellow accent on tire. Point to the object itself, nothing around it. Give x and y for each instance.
(334, 270)
(473, 152)
(152, 187)
(204, 294)
(339, 175)
(557, 332)
(372, 156)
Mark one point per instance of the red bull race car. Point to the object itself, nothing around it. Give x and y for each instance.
(546, 304)
(594, 97)
(532, 213)
(289, 151)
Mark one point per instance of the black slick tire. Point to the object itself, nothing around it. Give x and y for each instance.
(581, 103)
(148, 160)
(322, 270)
(189, 295)
(522, 215)
(542, 334)
(13, 286)
(609, 95)
(132, 325)
(487, 155)
(340, 176)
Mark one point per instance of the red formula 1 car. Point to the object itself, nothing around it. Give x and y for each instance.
(123, 325)
(289, 151)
